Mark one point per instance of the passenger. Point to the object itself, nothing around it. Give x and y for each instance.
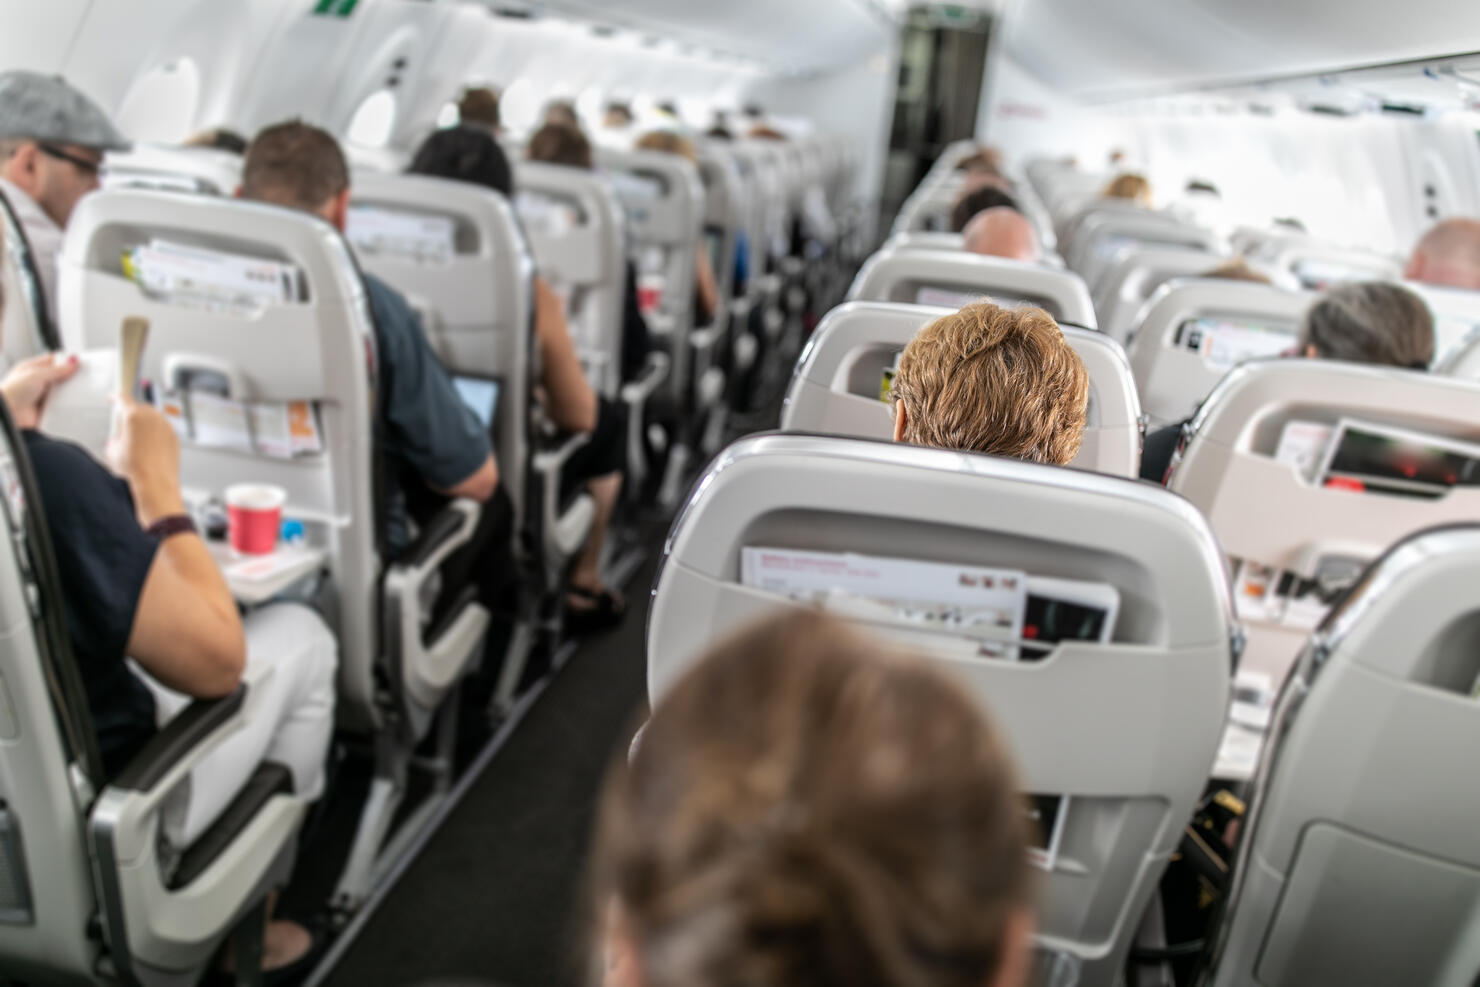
(1448, 254)
(1371, 322)
(706, 288)
(479, 107)
(807, 809)
(434, 446)
(52, 140)
(153, 626)
(1236, 269)
(986, 161)
(471, 155)
(1129, 186)
(1001, 381)
(218, 139)
(618, 116)
(1003, 232)
(562, 112)
(979, 200)
(558, 143)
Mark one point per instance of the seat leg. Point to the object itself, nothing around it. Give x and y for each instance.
(247, 947)
(386, 792)
(678, 465)
(516, 659)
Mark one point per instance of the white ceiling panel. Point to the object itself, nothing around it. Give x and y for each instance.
(1103, 49)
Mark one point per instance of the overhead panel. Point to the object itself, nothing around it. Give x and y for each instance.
(1099, 51)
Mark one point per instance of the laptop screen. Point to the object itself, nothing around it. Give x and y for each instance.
(481, 395)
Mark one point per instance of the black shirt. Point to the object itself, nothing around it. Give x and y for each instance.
(103, 557)
(1157, 452)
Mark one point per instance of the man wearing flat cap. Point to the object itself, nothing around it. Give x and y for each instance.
(52, 140)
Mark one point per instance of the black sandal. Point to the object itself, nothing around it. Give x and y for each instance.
(606, 610)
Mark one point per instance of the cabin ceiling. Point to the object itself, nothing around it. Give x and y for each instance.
(1106, 49)
(787, 35)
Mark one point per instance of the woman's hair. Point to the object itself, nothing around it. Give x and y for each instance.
(1371, 322)
(562, 111)
(807, 810)
(667, 142)
(1002, 381)
(555, 143)
(479, 107)
(466, 154)
(1237, 269)
(218, 139)
(1129, 186)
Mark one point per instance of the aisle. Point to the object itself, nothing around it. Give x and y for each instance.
(494, 896)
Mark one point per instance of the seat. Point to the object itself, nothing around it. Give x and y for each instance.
(89, 890)
(923, 240)
(928, 209)
(315, 344)
(1192, 332)
(575, 228)
(1262, 483)
(1456, 316)
(1120, 296)
(1101, 237)
(1125, 726)
(1464, 361)
(1319, 265)
(835, 388)
(27, 327)
(178, 169)
(1358, 863)
(952, 277)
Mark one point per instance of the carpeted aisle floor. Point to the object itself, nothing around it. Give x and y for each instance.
(495, 896)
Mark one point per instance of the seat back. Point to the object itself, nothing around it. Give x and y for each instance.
(1456, 315)
(928, 209)
(456, 251)
(1318, 265)
(663, 198)
(176, 169)
(317, 345)
(1125, 727)
(26, 327)
(46, 885)
(923, 240)
(724, 213)
(1359, 863)
(1193, 332)
(953, 277)
(835, 388)
(1463, 361)
(1262, 482)
(1101, 238)
(1125, 285)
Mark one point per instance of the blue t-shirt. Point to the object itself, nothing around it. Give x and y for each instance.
(103, 557)
(430, 436)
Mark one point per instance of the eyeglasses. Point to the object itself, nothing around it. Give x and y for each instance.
(88, 168)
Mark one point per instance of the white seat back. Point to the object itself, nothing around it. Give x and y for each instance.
(945, 277)
(575, 226)
(317, 348)
(724, 214)
(663, 198)
(1319, 265)
(1359, 863)
(177, 169)
(1125, 285)
(928, 209)
(455, 250)
(1456, 316)
(1271, 512)
(836, 386)
(923, 240)
(1101, 238)
(1464, 361)
(1177, 360)
(1127, 729)
(27, 327)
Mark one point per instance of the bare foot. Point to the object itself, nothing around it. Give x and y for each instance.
(284, 942)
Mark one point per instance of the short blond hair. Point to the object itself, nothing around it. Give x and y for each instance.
(1129, 186)
(667, 142)
(995, 380)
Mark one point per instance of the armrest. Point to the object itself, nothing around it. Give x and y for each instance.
(703, 340)
(551, 461)
(187, 733)
(428, 668)
(561, 534)
(638, 391)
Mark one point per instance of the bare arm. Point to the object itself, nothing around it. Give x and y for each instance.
(705, 284)
(481, 485)
(572, 402)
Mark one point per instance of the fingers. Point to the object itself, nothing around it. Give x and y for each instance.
(60, 369)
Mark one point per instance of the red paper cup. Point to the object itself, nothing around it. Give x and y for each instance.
(650, 293)
(254, 513)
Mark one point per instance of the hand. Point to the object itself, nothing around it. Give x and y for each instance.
(29, 383)
(145, 451)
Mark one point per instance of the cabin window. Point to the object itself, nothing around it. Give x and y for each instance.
(373, 122)
(449, 116)
(161, 104)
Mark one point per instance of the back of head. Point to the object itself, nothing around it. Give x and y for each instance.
(555, 143)
(1002, 232)
(1237, 269)
(977, 200)
(1129, 186)
(1371, 322)
(465, 154)
(563, 112)
(219, 139)
(479, 107)
(765, 133)
(986, 161)
(667, 142)
(994, 380)
(294, 164)
(806, 810)
(1448, 254)
(618, 116)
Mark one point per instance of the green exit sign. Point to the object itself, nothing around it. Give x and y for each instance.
(335, 8)
(955, 15)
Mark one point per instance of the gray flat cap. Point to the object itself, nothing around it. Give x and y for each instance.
(44, 108)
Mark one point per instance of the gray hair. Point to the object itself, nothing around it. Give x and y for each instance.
(1371, 322)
